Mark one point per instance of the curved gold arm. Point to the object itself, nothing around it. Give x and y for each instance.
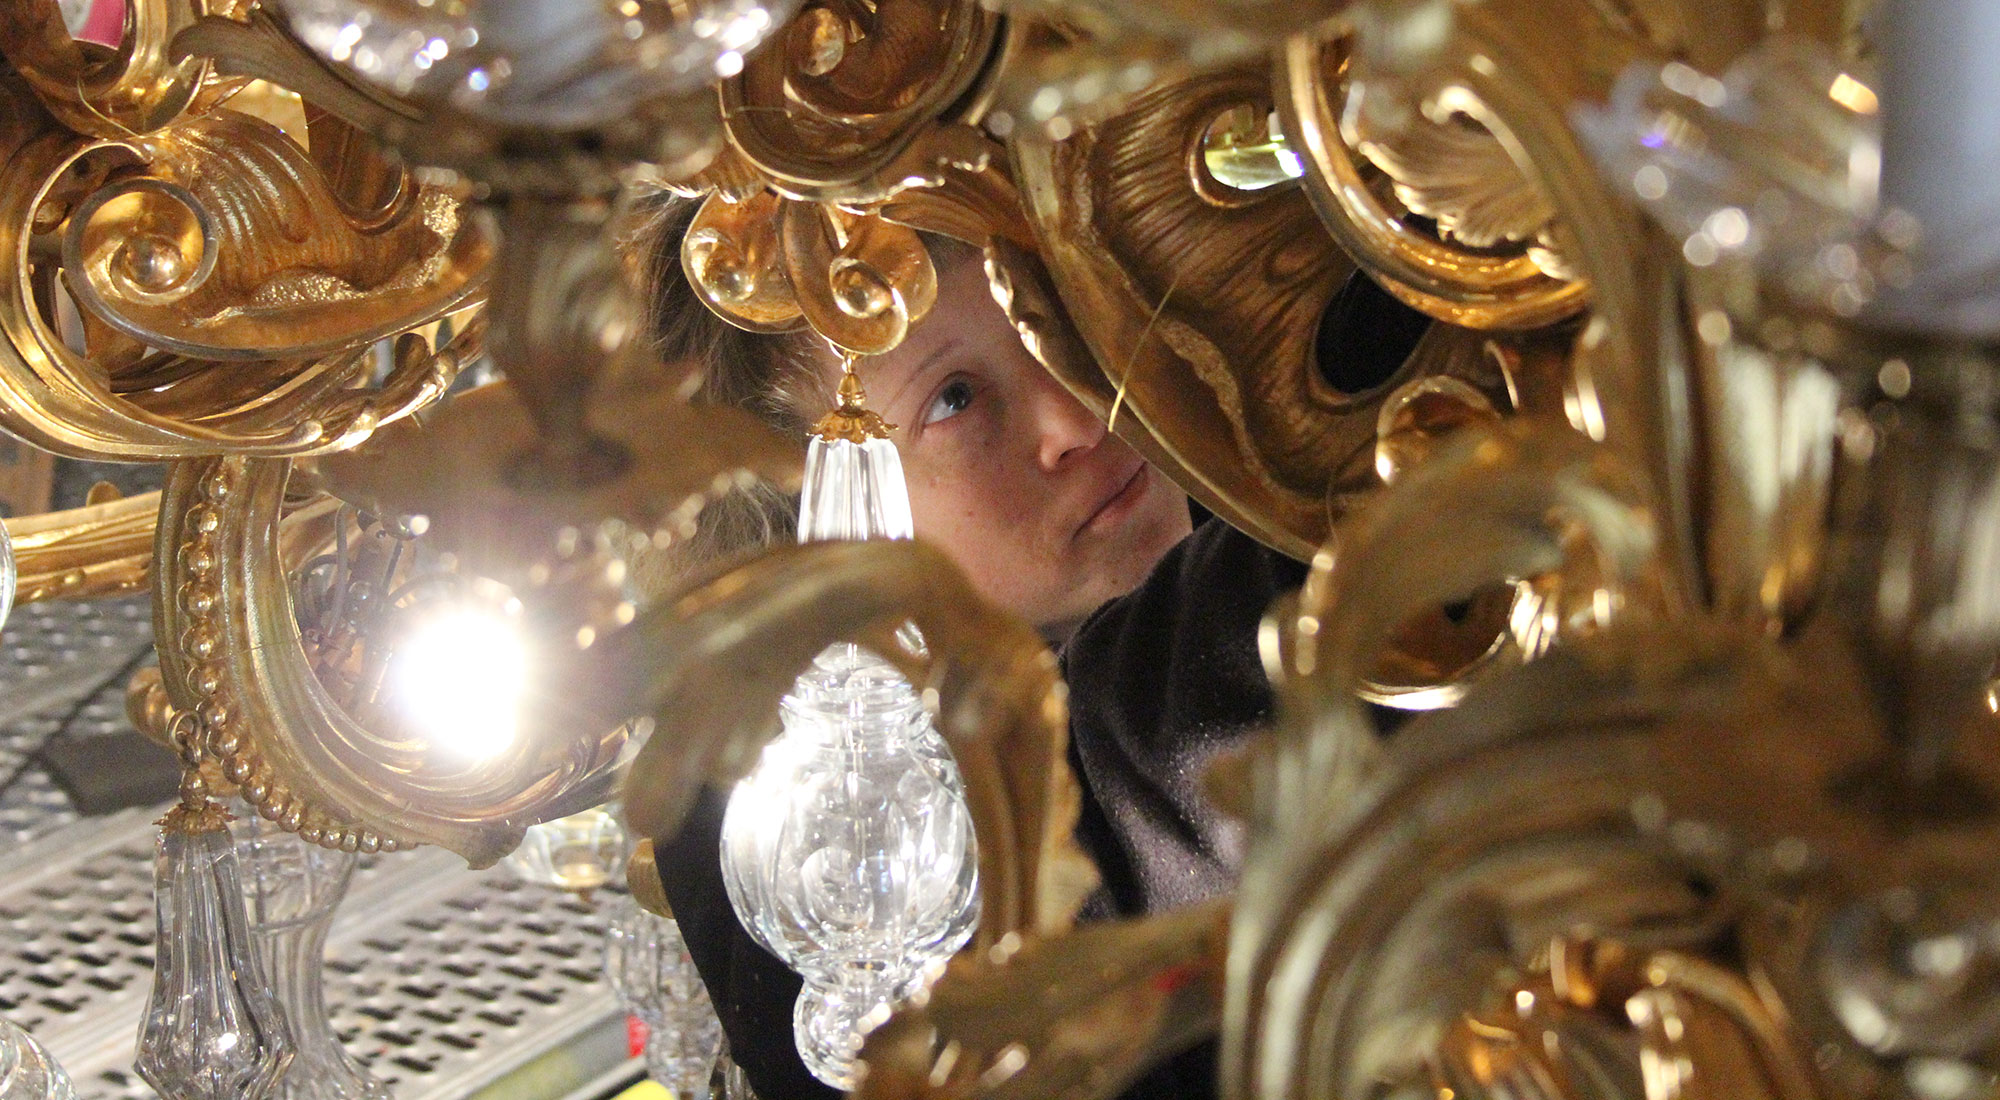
(104, 548)
(223, 209)
(853, 102)
(1494, 506)
(1517, 68)
(1700, 1032)
(712, 665)
(1442, 168)
(1076, 1017)
(142, 87)
(123, 402)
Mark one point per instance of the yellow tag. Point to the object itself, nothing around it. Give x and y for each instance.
(646, 1090)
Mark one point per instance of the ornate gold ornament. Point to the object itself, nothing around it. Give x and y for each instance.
(1687, 554)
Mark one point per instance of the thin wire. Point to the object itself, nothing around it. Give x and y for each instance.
(1125, 375)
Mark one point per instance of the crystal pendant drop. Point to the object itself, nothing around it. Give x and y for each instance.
(290, 891)
(27, 1070)
(580, 852)
(212, 1029)
(650, 968)
(848, 852)
(9, 574)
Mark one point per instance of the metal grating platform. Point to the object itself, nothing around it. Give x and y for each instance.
(448, 983)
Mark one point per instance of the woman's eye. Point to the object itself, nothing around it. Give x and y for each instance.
(949, 402)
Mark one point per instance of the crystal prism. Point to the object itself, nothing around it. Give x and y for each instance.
(290, 890)
(848, 852)
(580, 852)
(27, 1070)
(212, 1030)
(649, 966)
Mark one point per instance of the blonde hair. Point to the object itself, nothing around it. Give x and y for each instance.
(771, 376)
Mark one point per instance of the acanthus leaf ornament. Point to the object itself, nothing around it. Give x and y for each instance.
(225, 242)
(224, 206)
(856, 98)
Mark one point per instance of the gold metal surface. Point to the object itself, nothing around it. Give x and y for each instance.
(852, 419)
(139, 246)
(856, 98)
(104, 548)
(1693, 577)
(239, 669)
(1492, 260)
(1068, 1018)
(224, 241)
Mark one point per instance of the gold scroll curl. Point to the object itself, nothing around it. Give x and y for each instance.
(1202, 304)
(1503, 77)
(128, 395)
(139, 86)
(855, 100)
(1493, 260)
(1499, 856)
(222, 240)
(859, 277)
(1075, 1017)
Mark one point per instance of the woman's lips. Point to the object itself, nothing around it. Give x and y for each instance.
(1121, 501)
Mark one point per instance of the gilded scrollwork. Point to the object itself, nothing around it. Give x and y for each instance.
(859, 277)
(857, 98)
(214, 238)
(1070, 1018)
(1147, 249)
(139, 87)
(224, 241)
(1482, 250)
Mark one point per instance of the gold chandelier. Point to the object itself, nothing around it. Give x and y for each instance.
(1705, 797)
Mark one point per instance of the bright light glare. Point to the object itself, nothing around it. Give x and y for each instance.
(457, 679)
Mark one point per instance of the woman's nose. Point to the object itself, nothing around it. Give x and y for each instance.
(1064, 427)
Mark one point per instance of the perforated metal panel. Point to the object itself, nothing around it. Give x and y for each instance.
(52, 657)
(444, 981)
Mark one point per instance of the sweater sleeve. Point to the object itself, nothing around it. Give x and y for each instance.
(1161, 682)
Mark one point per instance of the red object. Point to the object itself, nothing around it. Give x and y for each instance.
(105, 24)
(636, 1034)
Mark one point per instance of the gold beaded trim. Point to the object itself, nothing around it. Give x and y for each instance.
(211, 731)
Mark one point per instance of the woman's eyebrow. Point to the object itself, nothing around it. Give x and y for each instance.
(922, 367)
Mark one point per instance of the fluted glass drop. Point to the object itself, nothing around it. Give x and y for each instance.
(27, 1070)
(649, 966)
(290, 892)
(9, 574)
(580, 852)
(848, 851)
(854, 491)
(212, 1029)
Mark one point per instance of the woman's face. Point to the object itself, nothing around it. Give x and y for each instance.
(1049, 514)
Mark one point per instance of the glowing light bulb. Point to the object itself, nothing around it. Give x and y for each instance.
(457, 679)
